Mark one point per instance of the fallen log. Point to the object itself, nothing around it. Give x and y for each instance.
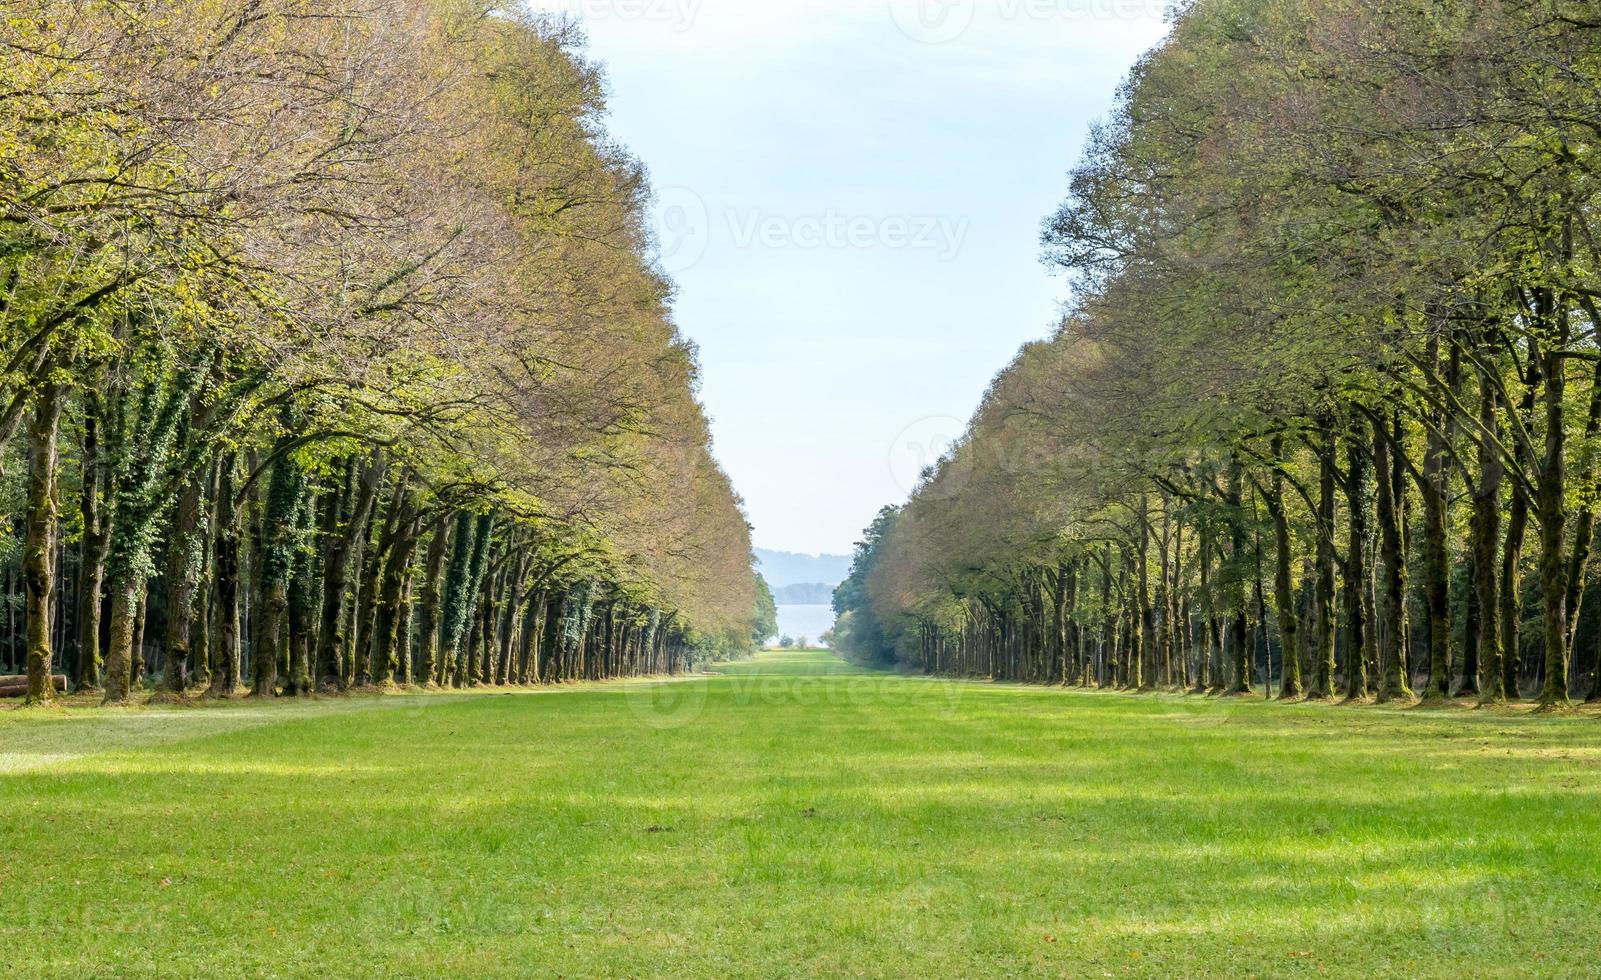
(16, 685)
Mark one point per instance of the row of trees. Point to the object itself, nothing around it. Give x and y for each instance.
(334, 354)
(1326, 409)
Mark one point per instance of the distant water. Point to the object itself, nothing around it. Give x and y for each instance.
(807, 621)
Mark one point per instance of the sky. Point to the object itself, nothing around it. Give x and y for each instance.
(849, 196)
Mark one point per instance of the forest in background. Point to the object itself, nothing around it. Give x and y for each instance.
(1325, 411)
(335, 355)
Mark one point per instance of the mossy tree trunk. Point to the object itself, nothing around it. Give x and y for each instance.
(305, 599)
(1208, 611)
(1437, 567)
(1584, 523)
(455, 611)
(39, 545)
(1240, 679)
(1356, 571)
(1551, 500)
(533, 629)
(405, 641)
(1283, 581)
(1510, 590)
(551, 638)
(1485, 533)
(95, 514)
(1394, 683)
(397, 568)
(508, 670)
(345, 520)
(279, 534)
(1140, 601)
(185, 554)
(1323, 658)
(225, 550)
(428, 615)
(467, 567)
(142, 498)
(364, 620)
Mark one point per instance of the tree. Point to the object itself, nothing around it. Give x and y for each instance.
(366, 294)
(1327, 262)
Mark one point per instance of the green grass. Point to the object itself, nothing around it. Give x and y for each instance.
(796, 816)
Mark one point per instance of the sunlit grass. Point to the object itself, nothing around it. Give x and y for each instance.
(798, 816)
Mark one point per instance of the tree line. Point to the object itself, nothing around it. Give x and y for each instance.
(1324, 412)
(335, 354)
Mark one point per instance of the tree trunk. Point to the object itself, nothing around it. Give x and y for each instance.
(278, 538)
(1393, 667)
(1552, 505)
(1510, 615)
(1239, 632)
(39, 546)
(345, 522)
(1356, 576)
(225, 654)
(268, 635)
(119, 658)
(533, 626)
(429, 613)
(141, 618)
(1437, 570)
(1584, 520)
(364, 618)
(305, 600)
(1203, 672)
(185, 552)
(92, 553)
(1140, 624)
(506, 670)
(393, 600)
(1283, 585)
(458, 604)
(1485, 534)
(140, 503)
(1323, 676)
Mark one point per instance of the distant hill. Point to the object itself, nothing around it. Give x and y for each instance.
(804, 594)
(782, 568)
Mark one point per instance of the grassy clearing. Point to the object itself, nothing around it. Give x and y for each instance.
(796, 816)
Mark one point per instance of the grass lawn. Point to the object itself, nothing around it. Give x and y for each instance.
(796, 816)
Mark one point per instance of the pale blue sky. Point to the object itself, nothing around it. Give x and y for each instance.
(850, 201)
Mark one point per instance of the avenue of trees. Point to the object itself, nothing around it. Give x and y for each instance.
(333, 354)
(1325, 412)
